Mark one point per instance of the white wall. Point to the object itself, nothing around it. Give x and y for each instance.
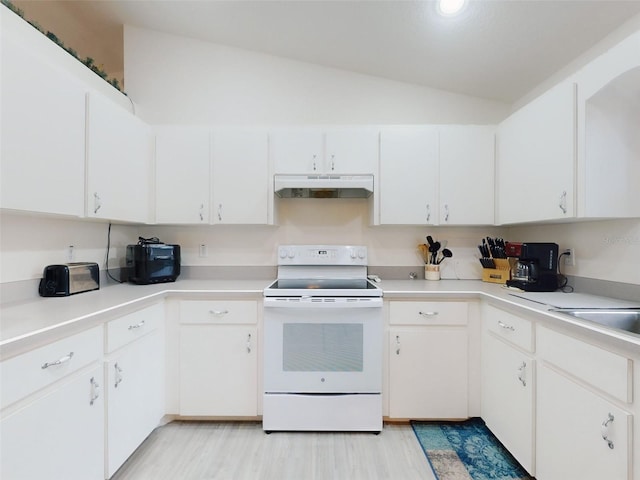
(604, 250)
(29, 243)
(181, 80)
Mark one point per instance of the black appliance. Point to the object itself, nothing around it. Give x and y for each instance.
(537, 267)
(151, 261)
(69, 278)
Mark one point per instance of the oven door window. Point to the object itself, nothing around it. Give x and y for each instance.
(322, 347)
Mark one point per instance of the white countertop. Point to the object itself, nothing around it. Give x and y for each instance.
(35, 320)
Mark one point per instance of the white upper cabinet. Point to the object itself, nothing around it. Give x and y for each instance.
(536, 159)
(408, 175)
(240, 177)
(43, 118)
(467, 171)
(313, 150)
(351, 150)
(182, 169)
(119, 155)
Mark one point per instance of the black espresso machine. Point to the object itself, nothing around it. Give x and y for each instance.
(536, 269)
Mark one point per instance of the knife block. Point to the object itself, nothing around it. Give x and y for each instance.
(500, 274)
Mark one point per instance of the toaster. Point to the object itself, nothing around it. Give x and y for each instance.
(69, 278)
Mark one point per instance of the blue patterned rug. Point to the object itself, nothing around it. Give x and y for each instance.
(466, 451)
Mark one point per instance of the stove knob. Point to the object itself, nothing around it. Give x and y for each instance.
(282, 253)
(291, 254)
(361, 254)
(353, 254)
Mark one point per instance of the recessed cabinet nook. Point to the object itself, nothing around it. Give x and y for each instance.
(560, 397)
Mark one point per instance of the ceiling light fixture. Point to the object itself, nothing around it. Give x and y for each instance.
(449, 8)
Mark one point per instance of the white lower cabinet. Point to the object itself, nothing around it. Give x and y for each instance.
(219, 358)
(428, 360)
(579, 433)
(508, 397)
(59, 435)
(583, 428)
(135, 383)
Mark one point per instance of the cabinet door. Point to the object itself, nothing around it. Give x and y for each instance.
(297, 150)
(428, 372)
(467, 155)
(135, 406)
(352, 150)
(218, 370)
(570, 429)
(507, 397)
(240, 183)
(182, 175)
(60, 435)
(536, 159)
(43, 119)
(408, 175)
(119, 147)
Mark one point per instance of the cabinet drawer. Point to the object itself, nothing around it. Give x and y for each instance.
(219, 312)
(609, 372)
(27, 373)
(133, 326)
(513, 329)
(428, 313)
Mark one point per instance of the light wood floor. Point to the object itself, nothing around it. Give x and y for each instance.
(241, 450)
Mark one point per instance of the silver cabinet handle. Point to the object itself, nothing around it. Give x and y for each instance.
(219, 313)
(605, 430)
(397, 344)
(136, 326)
(201, 212)
(427, 314)
(563, 202)
(220, 212)
(428, 212)
(446, 213)
(60, 361)
(314, 163)
(333, 162)
(97, 203)
(249, 343)
(95, 390)
(504, 326)
(118, 375)
(522, 373)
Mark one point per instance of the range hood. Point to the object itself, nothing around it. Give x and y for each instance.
(323, 186)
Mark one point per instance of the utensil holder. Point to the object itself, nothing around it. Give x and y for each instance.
(432, 272)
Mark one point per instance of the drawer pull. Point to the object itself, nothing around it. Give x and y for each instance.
(504, 326)
(397, 344)
(95, 390)
(605, 430)
(427, 314)
(522, 372)
(136, 326)
(60, 361)
(118, 375)
(249, 343)
(219, 313)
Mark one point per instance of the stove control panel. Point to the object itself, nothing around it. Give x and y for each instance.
(322, 255)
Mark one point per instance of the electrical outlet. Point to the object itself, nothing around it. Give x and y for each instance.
(71, 254)
(202, 250)
(569, 257)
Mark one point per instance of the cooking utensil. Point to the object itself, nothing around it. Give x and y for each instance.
(446, 253)
(424, 251)
(435, 248)
(429, 240)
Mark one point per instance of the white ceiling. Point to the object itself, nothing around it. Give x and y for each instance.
(497, 49)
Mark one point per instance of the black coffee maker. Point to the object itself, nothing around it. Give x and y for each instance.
(536, 269)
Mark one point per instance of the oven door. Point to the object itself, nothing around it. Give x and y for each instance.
(323, 345)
